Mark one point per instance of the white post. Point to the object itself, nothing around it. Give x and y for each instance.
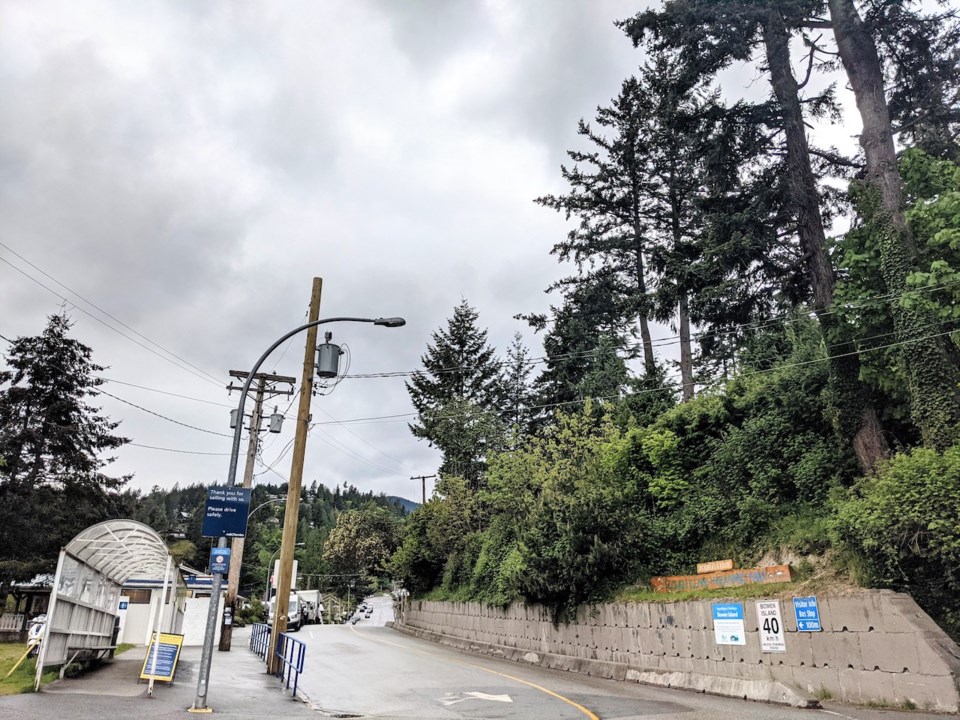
(157, 618)
(44, 642)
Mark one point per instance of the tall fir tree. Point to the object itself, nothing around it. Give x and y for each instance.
(931, 358)
(52, 443)
(732, 30)
(517, 368)
(606, 196)
(582, 334)
(460, 371)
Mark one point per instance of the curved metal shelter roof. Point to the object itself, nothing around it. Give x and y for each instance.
(121, 549)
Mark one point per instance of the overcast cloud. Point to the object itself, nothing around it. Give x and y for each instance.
(190, 166)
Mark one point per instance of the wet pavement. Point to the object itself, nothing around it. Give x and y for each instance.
(239, 688)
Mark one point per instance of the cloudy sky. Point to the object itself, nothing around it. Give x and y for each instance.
(188, 167)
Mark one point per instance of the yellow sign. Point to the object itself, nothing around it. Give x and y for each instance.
(161, 660)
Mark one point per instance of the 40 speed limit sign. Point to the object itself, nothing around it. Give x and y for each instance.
(771, 627)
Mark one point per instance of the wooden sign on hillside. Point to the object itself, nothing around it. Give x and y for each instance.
(714, 566)
(722, 579)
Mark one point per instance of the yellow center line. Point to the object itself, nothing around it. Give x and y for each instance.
(551, 693)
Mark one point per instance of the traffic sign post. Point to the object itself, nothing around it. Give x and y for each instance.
(728, 624)
(219, 560)
(226, 512)
(772, 639)
(808, 614)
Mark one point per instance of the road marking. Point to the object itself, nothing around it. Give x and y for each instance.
(450, 699)
(542, 689)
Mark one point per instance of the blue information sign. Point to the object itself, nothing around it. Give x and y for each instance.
(226, 512)
(728, 624)
(808, 614)
(219, 560)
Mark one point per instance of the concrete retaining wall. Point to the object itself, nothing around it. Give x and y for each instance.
(875, 646)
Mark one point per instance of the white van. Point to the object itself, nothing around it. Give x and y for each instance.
(294, 612)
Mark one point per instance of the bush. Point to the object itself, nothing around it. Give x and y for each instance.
(904, 524)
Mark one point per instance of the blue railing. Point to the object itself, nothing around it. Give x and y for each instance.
(260, 639)
(290, 654)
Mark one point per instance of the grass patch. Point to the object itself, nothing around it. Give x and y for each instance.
(123, 647)
(22, 680)
(756, 590)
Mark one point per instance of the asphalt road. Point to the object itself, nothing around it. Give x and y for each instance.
(367, 670)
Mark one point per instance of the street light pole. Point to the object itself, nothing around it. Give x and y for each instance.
(266, 587)
(200, 702)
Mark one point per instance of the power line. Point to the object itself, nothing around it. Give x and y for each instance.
(175, 450)
(668, 340)
(165, 392)
(160, 415)
(195, 371)
(386, 455)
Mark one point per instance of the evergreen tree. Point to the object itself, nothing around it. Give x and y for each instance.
(931, 357)
(517, 369)
(460, 370)
(52, 444)
(609, 245)
(584, 332)
(921, 56)
(732, 30)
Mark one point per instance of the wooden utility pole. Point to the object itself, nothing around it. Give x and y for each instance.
(266, 385)
(292, 511)
(423, 479)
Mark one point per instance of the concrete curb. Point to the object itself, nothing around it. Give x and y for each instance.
(771, 691)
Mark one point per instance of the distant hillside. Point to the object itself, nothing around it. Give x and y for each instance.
(408, 505)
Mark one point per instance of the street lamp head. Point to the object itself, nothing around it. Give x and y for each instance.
(390, 322)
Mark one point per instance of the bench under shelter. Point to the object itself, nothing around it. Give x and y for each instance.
(84, 602)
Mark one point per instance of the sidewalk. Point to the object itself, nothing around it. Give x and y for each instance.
(239, 688)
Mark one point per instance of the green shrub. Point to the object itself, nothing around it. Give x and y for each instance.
(904, 524)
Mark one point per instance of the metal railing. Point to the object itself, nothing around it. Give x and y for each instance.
(290, 656)
(260, 639)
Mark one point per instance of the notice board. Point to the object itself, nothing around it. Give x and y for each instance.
(226, 512)
(167, 657)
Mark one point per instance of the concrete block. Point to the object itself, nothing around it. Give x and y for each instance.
(781, 673)
(678, 664)
(865, 686)
(638, 615)
(699, 615)
(901, 614)
(701, 643)
(837, 650)
(890, 652)
(859, 612)
(815, 680)
(683, 642)
(619, 611)
(932, 660)
(930, 693)
(799, 649)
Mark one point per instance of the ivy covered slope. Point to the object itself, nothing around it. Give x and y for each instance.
(806, 401)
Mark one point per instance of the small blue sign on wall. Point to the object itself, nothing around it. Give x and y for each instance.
(226, 512)
(728, 624)
(219, 560)
(808, 614)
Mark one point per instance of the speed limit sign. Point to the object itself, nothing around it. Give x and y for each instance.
(772, 639)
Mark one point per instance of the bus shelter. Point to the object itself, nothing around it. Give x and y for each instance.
(91, 569)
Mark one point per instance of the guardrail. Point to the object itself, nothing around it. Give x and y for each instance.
(260, 639)
(290, 656)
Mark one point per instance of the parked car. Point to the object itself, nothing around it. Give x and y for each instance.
(294, 612)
